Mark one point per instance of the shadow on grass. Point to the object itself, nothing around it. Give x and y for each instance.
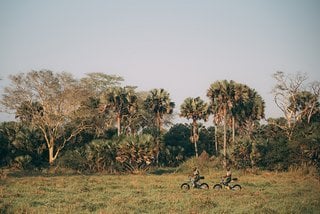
(52, 172)
(42, 173)
(162, 171)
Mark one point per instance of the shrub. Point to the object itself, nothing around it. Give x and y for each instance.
(205, 164)
(96, 156)
(22, 162)
(136, 153)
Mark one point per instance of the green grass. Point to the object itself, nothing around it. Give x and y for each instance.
(158, 193)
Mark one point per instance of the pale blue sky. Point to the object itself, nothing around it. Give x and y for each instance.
(180, 45)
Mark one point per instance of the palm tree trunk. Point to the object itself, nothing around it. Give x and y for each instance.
(119, 124)
(216, 138)
(194, 127)
(196, 148)
(233, 130)
(252, 155)
(225, 140)
(159, 122)
(158, 137)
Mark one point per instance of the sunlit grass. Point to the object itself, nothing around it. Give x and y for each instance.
(263, 193)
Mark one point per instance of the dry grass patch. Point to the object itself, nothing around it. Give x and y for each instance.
(265, 192)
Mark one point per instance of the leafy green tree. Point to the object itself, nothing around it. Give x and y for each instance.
(273, 147)
(50, 102)
(176, 149)
(17, 141)
(99, 155)
(7, 133)
(206, 137)
(299, 102)
(305, 142)
(194, 109)
(240, 154)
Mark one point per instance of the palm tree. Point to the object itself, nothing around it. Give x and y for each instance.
(140, 118)
(253, 112)
(221, 94)
(158, 102)
(241, 101)
(234, 103)
(121, 101)
(195, 109)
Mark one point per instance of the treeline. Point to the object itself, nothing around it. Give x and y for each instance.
(96, 124)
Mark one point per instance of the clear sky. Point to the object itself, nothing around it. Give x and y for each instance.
(180, 45)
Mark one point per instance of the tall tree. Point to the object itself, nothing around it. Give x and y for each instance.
(122, 101)
(249, 114)
(195, 109)
(295, 99)
(221, 95)
(97, 84)
(234, 103)
(159, 103)
(49, 102)
(140, 118)
(248, 106)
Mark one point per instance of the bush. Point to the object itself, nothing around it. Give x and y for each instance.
(22, 162)
(136, 153)
(97, 156)
(241, 154)
(73, 159)
(275, 155)
(204, 163)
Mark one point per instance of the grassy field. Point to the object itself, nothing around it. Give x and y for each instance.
(158, 193)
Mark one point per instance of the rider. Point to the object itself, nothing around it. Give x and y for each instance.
(195, 176)
(227, 177)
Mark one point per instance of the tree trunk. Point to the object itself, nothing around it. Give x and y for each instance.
(51, 159)
(159, 122)
(252, 155)
(216, 138)
(233, 130)
(194, 127)
(158, 137)
(119, 124)
(225, 140)
(196, 148)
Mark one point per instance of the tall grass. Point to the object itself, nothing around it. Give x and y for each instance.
(266, 192)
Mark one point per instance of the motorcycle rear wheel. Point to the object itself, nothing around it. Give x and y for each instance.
(217, 187)
(236, 187)
(204, 186)
(185, 186)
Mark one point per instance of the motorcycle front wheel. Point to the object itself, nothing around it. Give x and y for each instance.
(217, 187)
(204, 186)
(185, 186)
(236, 187)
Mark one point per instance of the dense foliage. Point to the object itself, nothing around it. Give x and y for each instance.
(94, 125)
